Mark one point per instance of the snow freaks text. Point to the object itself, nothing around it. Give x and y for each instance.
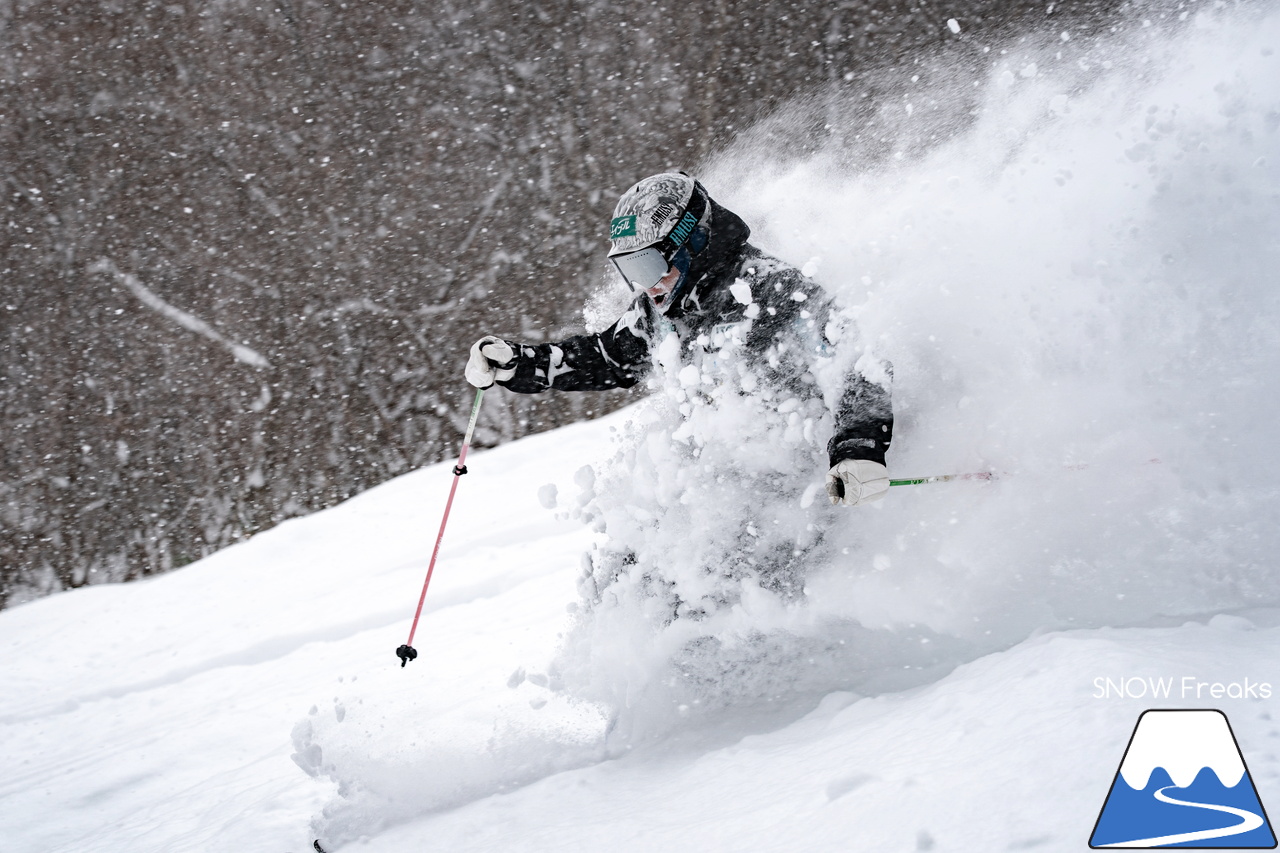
(1184, 687)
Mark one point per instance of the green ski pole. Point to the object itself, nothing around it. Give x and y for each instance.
(943, 478)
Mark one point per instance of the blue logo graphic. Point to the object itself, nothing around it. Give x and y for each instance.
(1183, 783)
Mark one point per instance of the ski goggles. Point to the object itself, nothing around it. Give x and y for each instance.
(643, 269)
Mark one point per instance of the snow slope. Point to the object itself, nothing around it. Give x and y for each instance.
(1074, 279)
(157, 716)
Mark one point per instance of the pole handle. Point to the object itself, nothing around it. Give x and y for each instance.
(475, 415)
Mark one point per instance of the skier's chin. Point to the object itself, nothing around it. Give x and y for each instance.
(663, 303)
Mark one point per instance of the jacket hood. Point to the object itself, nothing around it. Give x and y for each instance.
(726, 244)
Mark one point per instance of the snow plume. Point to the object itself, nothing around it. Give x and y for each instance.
(1069, 266)
(1069, 260)
(392, 763)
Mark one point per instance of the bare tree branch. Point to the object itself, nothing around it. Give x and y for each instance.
(187, 320)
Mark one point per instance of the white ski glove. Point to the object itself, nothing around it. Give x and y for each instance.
(492, 360)
(854, 482)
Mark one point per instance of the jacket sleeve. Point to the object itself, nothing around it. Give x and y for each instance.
(864, 420)
(614, 358)
(863, 414)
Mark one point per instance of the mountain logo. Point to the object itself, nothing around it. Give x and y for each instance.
(1183, 783)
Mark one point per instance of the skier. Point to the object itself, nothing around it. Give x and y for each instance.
(688, 260)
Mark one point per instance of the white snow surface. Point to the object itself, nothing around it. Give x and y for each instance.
(1075, 287)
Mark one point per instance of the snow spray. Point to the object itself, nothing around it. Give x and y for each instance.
(1073, 262)
(1065, 247)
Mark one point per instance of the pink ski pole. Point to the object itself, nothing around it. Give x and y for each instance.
(407, 652)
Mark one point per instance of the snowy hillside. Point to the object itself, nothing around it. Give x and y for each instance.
(157, 716)
(1076, 290)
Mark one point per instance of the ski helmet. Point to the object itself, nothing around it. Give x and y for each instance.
(661, 223)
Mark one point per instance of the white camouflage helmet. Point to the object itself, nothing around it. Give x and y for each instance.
(648, 211)
(652, 222)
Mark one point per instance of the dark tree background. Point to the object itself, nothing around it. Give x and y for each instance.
(248, 242)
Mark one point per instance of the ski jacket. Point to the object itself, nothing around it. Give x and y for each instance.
(779, 314)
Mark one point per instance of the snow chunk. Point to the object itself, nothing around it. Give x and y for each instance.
(953, 25)
(741, 292)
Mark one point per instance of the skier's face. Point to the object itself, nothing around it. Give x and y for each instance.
(648, 271)
(660, 291)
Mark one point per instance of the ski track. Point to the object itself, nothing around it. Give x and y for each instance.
(263, 652)
(283, 645)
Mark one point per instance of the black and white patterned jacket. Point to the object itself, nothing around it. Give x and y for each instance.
(783, 324)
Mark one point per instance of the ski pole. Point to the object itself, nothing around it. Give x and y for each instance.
(988, 475)
(407, 652)
(943, 478)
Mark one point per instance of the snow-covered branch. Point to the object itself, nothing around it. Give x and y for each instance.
(185, 319)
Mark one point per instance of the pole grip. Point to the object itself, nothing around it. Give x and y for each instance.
(475, 415)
